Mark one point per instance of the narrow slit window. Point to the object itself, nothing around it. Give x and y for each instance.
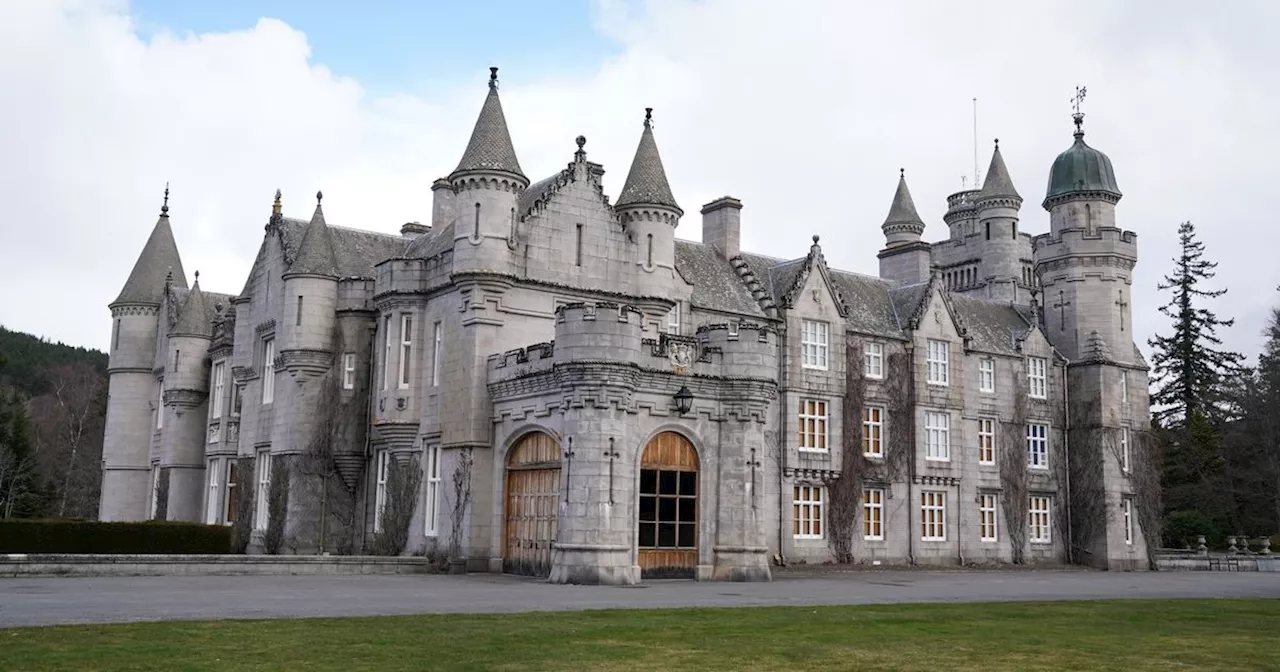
(298, 320)
(577, 254)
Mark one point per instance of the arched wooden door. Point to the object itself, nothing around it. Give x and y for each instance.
(532, 505)
(668, 512)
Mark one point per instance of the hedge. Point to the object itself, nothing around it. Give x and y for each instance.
(79, 536)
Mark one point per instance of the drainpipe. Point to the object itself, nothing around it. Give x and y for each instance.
(782, 434)
(1066, 455)
(911, 463)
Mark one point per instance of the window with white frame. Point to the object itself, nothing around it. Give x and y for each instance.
(733, 327)
(1038, 446)
(673, 319)
(937, 358)
(263, 470)
(431, 513)
(349, 371)
(873, 360)
(987, 375)
(214, 502)
(873, 514)
(1038, 520)
(806, 511)
(873, 431)
(814, 337)
(1126, 506)
(217, 385)
(986, 441)
(237, 394)
(1124, 449)
(160, 406)
(229, 486)
(435, 356)
(406, 349)
(1037, 377)
(268, 370)
(813, 425)
(933, 516)
(381, 468)
(386, 351)
(987, 528)
(937, 431)
(1124, 387)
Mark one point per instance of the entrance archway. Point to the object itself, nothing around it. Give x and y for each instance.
(668, 512)
(532, 505)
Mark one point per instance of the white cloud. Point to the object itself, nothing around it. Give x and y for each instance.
(805, 115)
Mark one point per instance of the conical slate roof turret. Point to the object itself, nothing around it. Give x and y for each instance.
(998, 183)
(647, 181)
(159, 256)
(315, 254)
(903, 224)
(194, 318)
(490, 147)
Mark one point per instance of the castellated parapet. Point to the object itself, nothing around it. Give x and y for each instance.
(598, 332)
(749, 351)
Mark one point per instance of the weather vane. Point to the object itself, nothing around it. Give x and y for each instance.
(1078, 116)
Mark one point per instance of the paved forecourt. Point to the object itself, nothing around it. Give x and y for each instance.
(53, 600)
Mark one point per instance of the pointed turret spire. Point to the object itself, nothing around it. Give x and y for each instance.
(159, 257)
(647, 181)
(490, 147)
(194, 318)
(903, 224)
(998, 183)
(315, 254)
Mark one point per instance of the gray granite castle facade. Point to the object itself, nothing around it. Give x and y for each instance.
(545, 381)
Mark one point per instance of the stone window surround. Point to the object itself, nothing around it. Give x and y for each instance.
(873, 360)
(431, 513)
(987, 375)
(988, 517)
(937, 424)
(814, 419)
(873, 514)
(937, 362)
(873, 431)
(1039, 525)
(986, 441)
(933, 515)
(1038, 446)
(814, 344)
(1038, 377)
(806, 511)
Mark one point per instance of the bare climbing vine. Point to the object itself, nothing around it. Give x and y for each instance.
(1012, 458)
(1091, 443)
(1144, 477)
(242, 526)
(404, 476)
(277, 504)
(162, 495)
(461, 500)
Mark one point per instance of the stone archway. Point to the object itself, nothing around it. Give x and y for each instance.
(667, 517)
(530, 515)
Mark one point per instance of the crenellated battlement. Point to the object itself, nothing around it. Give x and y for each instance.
(1052, 251)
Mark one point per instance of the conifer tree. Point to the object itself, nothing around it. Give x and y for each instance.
(1189, 366)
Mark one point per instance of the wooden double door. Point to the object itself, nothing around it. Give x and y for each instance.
(533, 503)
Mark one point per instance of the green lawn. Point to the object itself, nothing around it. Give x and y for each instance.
(1116, 635)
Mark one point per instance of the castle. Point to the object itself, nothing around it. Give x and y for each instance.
(545, 381)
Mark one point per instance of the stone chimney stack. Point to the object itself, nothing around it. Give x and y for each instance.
(722, 225)
(412, 230)
(442, 202)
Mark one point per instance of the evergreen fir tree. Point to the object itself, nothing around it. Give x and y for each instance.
(1189, 366)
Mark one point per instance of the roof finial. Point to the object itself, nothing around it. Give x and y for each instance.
(581, 154)
(1078, 116)
(197, 277)
(902, 173)
(648, 117)
(815, 239)
(276, 206)
(164, 209)
(319, 197)
(997, 143)
(493, 78)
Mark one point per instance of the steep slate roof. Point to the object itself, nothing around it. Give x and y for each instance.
(647, 180)
(159, 256)
(867, 299)
(490, 146)
(716, 286)
(315, 253)
(992, 327)
(355, 252)
(998, 182)
(431, 243)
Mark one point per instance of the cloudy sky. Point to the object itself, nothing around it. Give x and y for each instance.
(803, 110)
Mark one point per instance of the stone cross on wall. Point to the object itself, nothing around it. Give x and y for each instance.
(568, 468)
(1123, 304)
(1061, 305)
(753, 463)
(612, 454)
